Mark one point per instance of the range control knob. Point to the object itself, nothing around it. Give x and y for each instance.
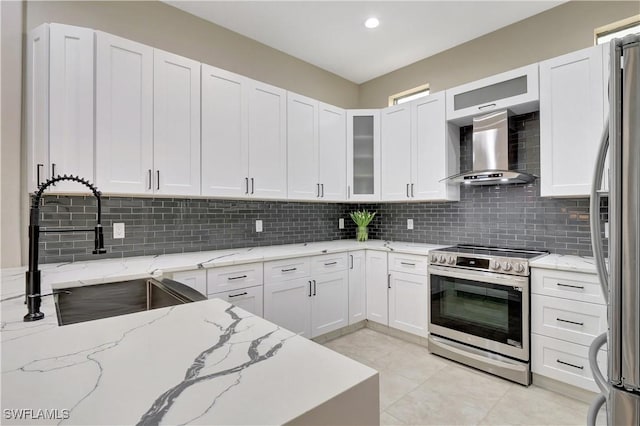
(507, 266)
(494, 265)
(434, 258)
(519, 268)
(451, 260)
(442, 259)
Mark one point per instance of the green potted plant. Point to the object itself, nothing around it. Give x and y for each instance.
(362, 220)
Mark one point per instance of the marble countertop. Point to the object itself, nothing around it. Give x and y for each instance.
(206, 362)
(566, 263)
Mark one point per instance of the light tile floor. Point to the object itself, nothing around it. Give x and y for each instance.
(418, 388)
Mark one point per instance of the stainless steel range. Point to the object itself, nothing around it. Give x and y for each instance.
(479, 308)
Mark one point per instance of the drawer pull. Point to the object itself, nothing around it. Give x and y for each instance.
(408, 263)
(289, 270)
(237, 295)
(570, 322)
(570, 286)
(237, 278)
(330, 263)
(580, 367)
(486, 106)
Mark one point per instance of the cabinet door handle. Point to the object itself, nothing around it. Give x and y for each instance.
(570, 322)
(411, 190)
(322, 187)
(53, 171)
(408, 263)
(486, 106)
(288, 270)
(407, 190)
(252, 185)
(559, 361)
(330, 263)
(38, 173)
(158, 180)
(348, 191)
(237, 278)
(150, 179)
(351, 256)
(309, 288)
(570, 286)
(388, 280)
(317, 190)
(237, 295)
(314, 287)
(246, 185)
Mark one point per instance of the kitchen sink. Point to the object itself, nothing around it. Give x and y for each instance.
(91, 302)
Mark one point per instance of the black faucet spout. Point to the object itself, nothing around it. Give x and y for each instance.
(33, 276)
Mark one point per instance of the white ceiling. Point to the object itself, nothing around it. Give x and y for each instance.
(331, 34)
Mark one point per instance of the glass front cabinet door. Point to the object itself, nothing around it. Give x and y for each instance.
(363, 155)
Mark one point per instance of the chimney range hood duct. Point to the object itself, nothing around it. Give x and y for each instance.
(491, 154)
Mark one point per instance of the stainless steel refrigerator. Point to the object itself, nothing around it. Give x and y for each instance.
(621, 280)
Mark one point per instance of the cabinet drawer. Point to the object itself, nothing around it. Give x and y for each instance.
(287, 269)
(409, 263)
(568, 285)
(329, 263)
(576, 322)
(249, 299)
(564, 361)
(234, 277)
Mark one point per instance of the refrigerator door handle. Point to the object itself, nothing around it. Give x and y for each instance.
(594, 207)
(599, 378)
(594, 409)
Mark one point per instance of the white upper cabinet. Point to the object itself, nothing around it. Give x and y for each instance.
(316, 147)
(572, 109)
(302, 147)
(363, 155)
(435, 150)
(267, 141)
(225, 145)
(124, 115)
(176, 118)
(60, 105)
(395, 129)
(419, 149)
(516, 89)
(332, 152)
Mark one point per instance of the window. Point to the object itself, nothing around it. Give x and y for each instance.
(617, 29)
(409, 95)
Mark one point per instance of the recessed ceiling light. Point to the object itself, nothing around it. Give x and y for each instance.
(371, 23)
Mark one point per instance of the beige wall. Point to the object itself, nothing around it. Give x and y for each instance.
(11, 229)
(165, 27)
(560, 30)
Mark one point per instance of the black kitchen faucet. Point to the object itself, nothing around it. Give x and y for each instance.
(33, 296)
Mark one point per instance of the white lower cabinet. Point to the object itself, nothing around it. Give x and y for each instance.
(357, 286)
(408, 302)
(408, 293)
(196, 279)
(249, 299)
(288, 304)
(377, 279)
(309, 305)
(564, 322)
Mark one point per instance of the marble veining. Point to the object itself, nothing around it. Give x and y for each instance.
(564, 262)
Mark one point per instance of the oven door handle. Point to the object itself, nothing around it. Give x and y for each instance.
(480, 276)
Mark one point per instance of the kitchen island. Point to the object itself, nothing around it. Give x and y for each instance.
(206, 362)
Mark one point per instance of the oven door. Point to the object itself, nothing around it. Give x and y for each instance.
(483, 309)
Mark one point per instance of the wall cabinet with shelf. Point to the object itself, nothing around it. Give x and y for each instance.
(363, 155)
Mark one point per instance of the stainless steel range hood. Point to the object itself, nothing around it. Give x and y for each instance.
(491, 154)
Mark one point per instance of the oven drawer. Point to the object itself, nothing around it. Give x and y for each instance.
(409, 263)
(564, 361)
(329, 263)
(288, 269)
(576, 322)
(568, 285)
(228, 278)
